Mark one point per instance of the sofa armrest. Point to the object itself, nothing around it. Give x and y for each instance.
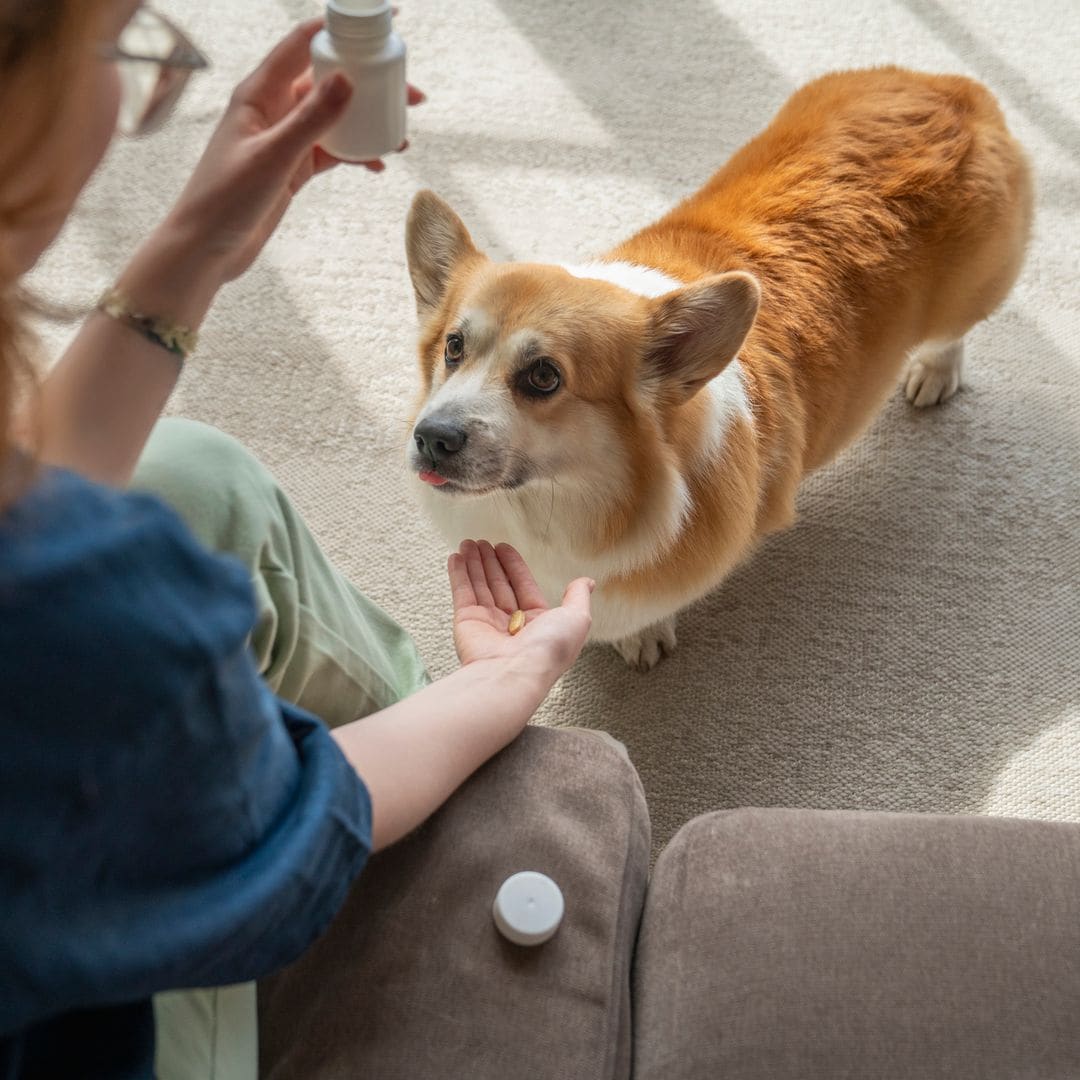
(413, 980)
(813, 944)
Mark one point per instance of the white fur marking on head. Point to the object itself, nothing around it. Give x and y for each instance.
(523, 340)
(642, 280)
(483, 330)
(468, 394)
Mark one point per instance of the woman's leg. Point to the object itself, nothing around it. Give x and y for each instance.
(318, 642)
(210, 1034)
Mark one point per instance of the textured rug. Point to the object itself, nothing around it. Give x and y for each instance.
(914, 642)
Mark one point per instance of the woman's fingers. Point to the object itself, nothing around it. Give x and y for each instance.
(520, 577)
(501, 589)
(461, 590)
(298, 132)
(322, 161)
(303, 85)
(474, 563)
(288, 65)
(287, 61)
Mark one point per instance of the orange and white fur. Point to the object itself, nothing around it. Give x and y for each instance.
(645, 419)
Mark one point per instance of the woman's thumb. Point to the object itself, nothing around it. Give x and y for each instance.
(578, 594)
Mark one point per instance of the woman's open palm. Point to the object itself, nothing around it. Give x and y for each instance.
(489, 584)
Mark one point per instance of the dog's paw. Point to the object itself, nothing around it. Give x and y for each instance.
(644, 650)
(934, 375)
(930, 386)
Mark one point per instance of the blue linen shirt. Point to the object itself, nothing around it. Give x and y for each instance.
(165, 820)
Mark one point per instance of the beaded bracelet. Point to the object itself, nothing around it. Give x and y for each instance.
(179, 340)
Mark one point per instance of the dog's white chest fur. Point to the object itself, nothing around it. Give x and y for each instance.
(541, 540)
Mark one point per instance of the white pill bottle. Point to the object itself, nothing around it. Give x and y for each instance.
(359, 39)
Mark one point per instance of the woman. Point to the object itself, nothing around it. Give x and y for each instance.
(166, 819)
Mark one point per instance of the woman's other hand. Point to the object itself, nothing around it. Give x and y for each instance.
(488, 585)
(264, 150)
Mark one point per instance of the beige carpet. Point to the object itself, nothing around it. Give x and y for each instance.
(914, 643)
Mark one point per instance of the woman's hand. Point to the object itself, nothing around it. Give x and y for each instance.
(489, 584)
(262, 153)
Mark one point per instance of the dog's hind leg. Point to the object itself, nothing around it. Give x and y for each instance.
(933, 375)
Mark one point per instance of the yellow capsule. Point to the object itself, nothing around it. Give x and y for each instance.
(517, 621)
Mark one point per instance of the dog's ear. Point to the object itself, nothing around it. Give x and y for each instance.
(435, 243)
(697, 331)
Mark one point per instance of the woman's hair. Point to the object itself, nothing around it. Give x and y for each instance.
(42, 43)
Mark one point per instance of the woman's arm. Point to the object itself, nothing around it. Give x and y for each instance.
(413, 755)
(101, 399)
(99, 402)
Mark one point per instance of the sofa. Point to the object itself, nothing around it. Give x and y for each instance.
(765, 943)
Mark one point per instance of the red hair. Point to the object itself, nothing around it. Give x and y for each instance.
(41, 45)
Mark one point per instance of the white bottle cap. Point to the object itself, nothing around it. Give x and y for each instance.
(528, 908)
(358, 18)
(360, 7)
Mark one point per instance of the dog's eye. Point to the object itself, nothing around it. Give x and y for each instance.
(455, 349)
(543, 377)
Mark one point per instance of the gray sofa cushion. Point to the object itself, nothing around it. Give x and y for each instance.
(784, 944)
(413, 980)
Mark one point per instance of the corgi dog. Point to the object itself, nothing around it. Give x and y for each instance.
(646, 418)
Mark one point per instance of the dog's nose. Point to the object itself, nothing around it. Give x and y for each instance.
(439, 439)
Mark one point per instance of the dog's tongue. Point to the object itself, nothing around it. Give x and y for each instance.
(432, 478)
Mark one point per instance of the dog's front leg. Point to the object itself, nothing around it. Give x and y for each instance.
(644, 650)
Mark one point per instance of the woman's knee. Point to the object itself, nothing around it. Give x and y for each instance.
(209, 478)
